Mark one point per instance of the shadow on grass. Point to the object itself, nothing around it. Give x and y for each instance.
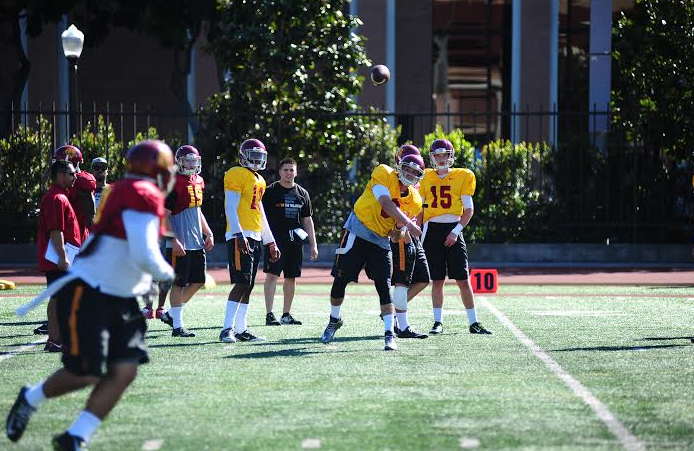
(312, 340)
(299, 352)
(665, 338)
(16, 336)
(181, 345)
(22, 323)
(620, 348)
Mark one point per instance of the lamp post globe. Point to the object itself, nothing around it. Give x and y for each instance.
(73, 42)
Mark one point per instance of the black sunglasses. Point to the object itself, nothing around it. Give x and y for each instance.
(100, 167)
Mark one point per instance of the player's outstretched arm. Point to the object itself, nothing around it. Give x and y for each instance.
(394, 212)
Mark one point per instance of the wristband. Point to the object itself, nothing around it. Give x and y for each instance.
(457, 229)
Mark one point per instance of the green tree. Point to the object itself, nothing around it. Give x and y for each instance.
(654, 75)
(290, 79)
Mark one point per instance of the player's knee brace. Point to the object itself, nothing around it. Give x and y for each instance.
(400, 298)
(383, 289)
(338, 289)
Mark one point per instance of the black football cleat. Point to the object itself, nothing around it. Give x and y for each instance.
(227, 336)
(166, 319)
(477, 328)
(246, 335)
(330, 329)
(271, 320)
(410, 333)
(182, 332)
(52, 346)
(287, 318)
(389, 338)
(67, 442)
(42, 329)
(437, 328)
(19, 416)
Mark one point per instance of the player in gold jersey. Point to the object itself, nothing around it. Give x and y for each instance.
(448, 207)
(246, 231)
(366, 244)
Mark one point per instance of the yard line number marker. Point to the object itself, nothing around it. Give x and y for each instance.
(628, 440)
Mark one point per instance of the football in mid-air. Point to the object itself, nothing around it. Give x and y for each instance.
(380, 74)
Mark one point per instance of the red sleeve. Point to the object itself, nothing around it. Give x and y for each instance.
(146, 198)
(85, 181)
(54, 213)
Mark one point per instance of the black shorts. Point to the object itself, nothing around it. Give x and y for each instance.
(242, 267)
(356, 254)
(98, 329)
(291, 258)
(52, 276)
(445, 260)
(409, 263)
(190, 268)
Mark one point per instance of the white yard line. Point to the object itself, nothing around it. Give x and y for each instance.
(13, 353)
(628, 440)
(152, 445)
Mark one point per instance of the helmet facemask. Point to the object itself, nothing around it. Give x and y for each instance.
(409, 172)
(189, 164)
(254, 158)
(447, 163)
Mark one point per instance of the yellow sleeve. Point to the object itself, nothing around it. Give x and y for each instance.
(469, 183)
(233, 181)
(381, 176)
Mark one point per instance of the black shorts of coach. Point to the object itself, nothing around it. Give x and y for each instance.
(409, 263)
(451, 261)
(99, 329)
(243, 267)
(291, 259)
(189, 268)
(356, 254)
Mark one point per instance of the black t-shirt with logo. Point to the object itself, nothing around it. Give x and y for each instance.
(285, 207)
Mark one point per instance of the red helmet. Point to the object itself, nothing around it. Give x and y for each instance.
(407, 149)
(152, 159)
(441, 147)
(188, 160)
(253, 155)
(68, 153)
(410, 169)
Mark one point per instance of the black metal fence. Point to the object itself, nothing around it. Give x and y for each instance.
(629, 183)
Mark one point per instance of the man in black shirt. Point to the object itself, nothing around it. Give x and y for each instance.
(288, 209)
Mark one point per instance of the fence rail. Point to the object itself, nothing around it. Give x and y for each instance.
(606, 176)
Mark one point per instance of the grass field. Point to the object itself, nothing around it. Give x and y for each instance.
(627, 346)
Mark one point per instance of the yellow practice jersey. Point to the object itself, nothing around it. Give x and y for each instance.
(442, 195)
(369, 211)
(251, 186)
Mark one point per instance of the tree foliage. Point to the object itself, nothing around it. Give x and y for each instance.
(290, 79)
(654, 75)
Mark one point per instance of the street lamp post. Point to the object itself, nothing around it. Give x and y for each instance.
(73, 41)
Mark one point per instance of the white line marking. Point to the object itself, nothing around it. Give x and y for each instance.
(469, 443)
(15, 352)
(310, 443)
(628, 440)
(152, 445)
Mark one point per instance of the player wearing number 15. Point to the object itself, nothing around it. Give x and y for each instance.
(247, 230)
(448, 207)
(192, 236)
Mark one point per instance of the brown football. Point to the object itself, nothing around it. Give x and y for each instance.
(380, 74)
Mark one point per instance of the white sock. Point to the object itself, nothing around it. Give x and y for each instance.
(471, 315)
(175, 313)
(232, 307)
(438, 315)
(85, 425)
(240, 326)
(402, 320)
(335, 311)
(388, 322)
(35, 395)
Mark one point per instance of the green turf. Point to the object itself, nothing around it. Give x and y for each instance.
(625, 344)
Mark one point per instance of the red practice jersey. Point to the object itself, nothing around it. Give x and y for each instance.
(187, 193)
(56, 214)
(84, 181)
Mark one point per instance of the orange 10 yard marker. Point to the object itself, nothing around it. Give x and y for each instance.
(484, 280)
